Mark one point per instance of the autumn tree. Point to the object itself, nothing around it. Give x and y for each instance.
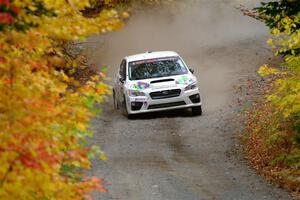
(43, 119)
(274, 124)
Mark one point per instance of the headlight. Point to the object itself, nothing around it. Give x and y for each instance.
(135, 93)
(191, 86)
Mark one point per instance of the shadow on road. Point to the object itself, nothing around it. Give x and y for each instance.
(185, 113)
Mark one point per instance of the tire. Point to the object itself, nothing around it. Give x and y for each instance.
(116, 105)
(125, 112)
(197, 111)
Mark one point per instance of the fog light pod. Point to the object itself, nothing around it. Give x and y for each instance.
(136, 106)
(195, 98)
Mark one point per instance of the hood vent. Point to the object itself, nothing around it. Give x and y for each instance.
(162, 80)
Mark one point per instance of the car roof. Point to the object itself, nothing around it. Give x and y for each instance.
(150, 55)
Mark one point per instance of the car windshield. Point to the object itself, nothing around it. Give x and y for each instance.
(155, 68)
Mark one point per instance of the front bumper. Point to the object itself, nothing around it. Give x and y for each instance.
(144, 104)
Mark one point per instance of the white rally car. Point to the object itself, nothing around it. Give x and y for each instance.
(155, 81)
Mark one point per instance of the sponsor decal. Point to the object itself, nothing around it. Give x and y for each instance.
(140, 99)
(140, 86)
(153, 60)
(184, 80)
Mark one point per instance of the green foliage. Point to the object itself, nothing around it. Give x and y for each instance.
(274, 12)
(282, 17)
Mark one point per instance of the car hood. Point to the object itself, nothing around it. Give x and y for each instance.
(162, 82)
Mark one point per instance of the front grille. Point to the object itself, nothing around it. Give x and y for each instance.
(166, 105)
(165, 94)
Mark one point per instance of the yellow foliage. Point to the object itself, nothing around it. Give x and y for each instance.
(287, 93)
(42, 122)
(264, 70)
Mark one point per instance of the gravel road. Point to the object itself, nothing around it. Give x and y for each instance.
(172, 155)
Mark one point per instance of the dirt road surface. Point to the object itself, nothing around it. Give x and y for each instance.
(171, 155)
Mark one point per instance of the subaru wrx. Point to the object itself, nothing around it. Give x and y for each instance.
(155, 81)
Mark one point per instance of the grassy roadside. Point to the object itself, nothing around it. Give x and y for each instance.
(270, 142)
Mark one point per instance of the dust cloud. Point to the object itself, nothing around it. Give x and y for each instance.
(212, 36)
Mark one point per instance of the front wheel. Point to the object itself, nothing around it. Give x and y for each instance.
(125, 111)
(197, 111)
(116, 106)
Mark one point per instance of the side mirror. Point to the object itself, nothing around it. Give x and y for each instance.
(122, 80)
(192, 70)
